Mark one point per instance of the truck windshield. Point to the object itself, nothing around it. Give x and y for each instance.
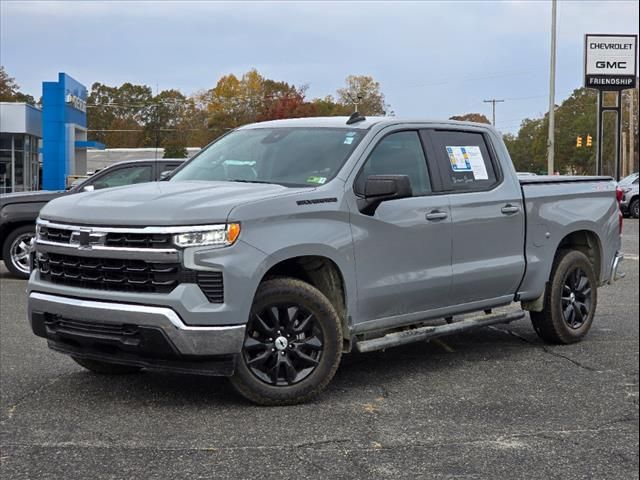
(286, 156)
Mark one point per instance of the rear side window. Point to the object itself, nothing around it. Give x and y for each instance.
(399, 153)
(464, 160)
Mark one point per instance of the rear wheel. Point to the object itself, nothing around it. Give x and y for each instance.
(15, 251)
(292, 347)
(570, 300)
(105, 368)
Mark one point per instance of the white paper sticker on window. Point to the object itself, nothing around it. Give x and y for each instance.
(468, 159)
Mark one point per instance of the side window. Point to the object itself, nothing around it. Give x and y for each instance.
(397, 154)
(463, 158)
(123, 176)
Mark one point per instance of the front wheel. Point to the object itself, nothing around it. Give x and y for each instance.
(633, 208)
(570, 300)
(292, 346)
(15, 251)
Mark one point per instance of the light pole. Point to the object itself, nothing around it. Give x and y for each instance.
(552, 93)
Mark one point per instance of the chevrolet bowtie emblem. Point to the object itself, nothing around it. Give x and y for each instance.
(86, 238)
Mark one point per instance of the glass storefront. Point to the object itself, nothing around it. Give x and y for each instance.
(19, 165)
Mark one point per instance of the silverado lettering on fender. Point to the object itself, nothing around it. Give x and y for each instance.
(285, 244)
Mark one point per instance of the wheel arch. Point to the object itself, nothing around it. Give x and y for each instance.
(319, 270)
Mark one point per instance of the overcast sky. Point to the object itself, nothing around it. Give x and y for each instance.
(433, 59)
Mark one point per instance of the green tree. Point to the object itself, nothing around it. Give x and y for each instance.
(10, 90)
(471, 117)
(366, 92)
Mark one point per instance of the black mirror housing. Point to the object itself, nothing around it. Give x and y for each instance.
(380, 188)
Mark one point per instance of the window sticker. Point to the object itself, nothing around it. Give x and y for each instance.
(468, 159)
(317, 180)
(458, 159)
(348, 140)
(477, 163)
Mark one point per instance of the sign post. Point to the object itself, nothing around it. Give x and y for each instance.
(610, 65)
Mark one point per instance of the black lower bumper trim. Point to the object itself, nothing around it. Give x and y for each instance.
(125, 344)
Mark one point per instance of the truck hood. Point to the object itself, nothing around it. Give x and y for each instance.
(160, 203)
(40, 196)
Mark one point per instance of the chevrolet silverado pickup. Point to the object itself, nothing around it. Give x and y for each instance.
(284, 245)
(19, 211)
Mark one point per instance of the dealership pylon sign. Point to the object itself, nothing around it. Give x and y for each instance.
(610, 65)
(610, 61)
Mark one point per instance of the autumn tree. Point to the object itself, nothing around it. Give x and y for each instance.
(10, 90)
(366, 92)
(471, 117)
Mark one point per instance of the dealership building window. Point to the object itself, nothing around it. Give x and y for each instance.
(20, 141)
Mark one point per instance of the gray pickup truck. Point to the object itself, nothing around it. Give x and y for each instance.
(285, 244)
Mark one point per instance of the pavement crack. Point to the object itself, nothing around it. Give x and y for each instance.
(30, 394)
(545, 349)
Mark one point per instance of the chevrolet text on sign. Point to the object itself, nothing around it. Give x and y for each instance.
(610, 61)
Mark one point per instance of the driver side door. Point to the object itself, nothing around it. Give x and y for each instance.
(403, 250)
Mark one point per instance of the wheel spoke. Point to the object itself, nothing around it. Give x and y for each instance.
(303, 325)
(567, 313)
(262, 326)
(578, 315)
(274, 316)
(289, 369)
(275, 371)
(260, 359)
(304, 358)
(582, 284)
(251, 343)
(313, 343)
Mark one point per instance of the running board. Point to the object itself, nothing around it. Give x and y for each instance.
(427, 333)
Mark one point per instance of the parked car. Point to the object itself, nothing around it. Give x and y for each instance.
(629, 203)
(18, 211)
(286, 244)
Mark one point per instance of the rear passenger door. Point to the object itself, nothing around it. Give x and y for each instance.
(487, 215)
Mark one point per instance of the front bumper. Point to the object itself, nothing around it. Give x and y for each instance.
(147, 336)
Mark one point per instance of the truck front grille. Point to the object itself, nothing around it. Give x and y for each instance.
(112, 239)
(109, 274)
(125, 275)
(57, 235)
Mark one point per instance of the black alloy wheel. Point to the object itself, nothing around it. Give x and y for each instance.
(283, 344)
(576, 298)
(292, 345)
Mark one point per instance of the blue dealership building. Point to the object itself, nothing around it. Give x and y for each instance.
(57, 131)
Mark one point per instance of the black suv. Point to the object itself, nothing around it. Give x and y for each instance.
(18, 211)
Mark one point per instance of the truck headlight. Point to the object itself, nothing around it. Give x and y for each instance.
(216, 236)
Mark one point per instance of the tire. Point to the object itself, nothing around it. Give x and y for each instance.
(292, 347)
(570, 300)
(633, 208)
(15, 251)
(105, 368)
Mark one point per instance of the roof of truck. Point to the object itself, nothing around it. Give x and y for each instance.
(341, 122)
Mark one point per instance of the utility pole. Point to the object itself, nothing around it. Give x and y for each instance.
(493, 102)
(632, 130)
(552, 94)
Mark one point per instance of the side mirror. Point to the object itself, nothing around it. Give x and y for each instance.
(88, 188)
(380, 188)
(164, 175)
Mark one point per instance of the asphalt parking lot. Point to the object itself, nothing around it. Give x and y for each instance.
(495, 403)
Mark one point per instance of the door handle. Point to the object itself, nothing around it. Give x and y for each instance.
(508, 209)
(436, 215)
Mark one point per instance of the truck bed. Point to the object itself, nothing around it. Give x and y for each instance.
(536, 179)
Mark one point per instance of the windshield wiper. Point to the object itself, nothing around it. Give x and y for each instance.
(242, 180)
